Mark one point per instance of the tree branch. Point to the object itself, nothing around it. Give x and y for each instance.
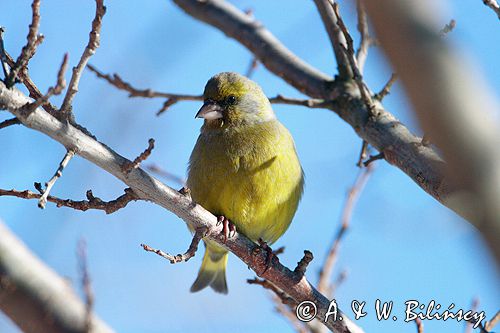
(48, 186)
(83, 205)
(337, 39)
(81, 252)
(324, 282)
(35, 297)
(452, 106)
(387, 88)
(139, 159)
(191, 251)
(365, 40)
(33, 40)
(349, 52)
(93, 44)
(9, 122)
(149, 188)
(493, 4)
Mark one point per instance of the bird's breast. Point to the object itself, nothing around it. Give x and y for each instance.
(251, 175)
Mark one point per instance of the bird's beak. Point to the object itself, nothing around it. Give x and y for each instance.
(210, 111)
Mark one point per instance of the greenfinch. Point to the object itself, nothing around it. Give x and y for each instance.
(244, 168)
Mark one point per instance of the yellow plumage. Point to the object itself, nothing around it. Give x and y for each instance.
(244, 166)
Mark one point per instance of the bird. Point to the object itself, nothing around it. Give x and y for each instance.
(244, 168)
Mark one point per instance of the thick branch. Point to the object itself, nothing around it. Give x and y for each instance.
(35, 297)
(453, 105)
(149, 188)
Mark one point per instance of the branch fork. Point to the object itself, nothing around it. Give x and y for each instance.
(199, 234)
(48, 186)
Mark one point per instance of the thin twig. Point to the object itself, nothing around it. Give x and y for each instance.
(362, 154)
(285, 299)
(3, 56)
(310, 103)
(374, 158)
(128, 166)
(357, 76)
(447, 28)
(387, 88)
(338, 282)
(83, 205)
(420, 325)
(252, 66)
(9, 122)
(290, 315)
(254, 63)
(48, 186)
(33, 40)
(166, 105)
(191, 251)
(116, 81)
(93, 44)
(165, 174)
(55, 90)
(34, 92)
(365, 40)
(86, 283)
(493, 4)
(351, 200)
(490, 324)
(468, 324)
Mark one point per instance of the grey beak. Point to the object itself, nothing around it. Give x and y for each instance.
(210, 110)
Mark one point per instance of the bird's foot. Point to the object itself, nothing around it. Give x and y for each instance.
(270, 254)
(228, 228)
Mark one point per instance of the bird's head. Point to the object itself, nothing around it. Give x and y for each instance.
(231, 99)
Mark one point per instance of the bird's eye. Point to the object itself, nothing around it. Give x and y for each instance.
(231, 100)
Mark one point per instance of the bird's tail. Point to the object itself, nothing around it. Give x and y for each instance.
(212, 271)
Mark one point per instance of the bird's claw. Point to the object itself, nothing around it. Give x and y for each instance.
(228, 228)
(270, 254)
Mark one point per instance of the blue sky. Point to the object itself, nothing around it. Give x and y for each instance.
(402, 244)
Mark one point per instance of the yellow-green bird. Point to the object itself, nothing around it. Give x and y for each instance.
(244, 167)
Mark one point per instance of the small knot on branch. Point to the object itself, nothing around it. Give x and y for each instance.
(301, 268)
(185, 191)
